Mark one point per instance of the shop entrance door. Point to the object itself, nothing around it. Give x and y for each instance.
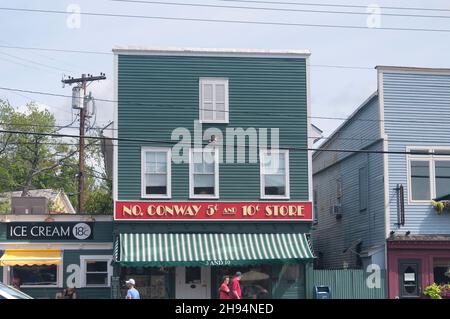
(409, 273)
(193, 282)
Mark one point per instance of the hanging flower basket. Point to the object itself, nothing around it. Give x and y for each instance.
(441, 206)
(445, 291)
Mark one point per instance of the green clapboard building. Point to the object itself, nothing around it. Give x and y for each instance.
(44, 254)
(211, 172)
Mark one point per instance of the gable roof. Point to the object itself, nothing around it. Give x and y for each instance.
(347, 121)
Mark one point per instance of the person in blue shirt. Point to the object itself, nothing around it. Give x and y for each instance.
(132, 292)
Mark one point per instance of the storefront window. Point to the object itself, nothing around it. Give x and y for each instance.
(255, 283)
(152, 283)
(45, 275)
(441, 271)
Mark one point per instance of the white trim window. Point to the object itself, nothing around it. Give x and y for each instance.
(204, 173)
(96, 271)
(35, 276)
(213, 104)
(274, 174)
(428, 174)
(156, 172)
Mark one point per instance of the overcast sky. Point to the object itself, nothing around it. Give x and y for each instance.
(336, 92)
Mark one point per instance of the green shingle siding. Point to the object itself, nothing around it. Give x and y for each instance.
(160, 93)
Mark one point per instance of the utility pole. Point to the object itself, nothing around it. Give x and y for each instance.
(82, 84)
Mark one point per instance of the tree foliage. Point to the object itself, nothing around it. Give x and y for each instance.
(37, 160)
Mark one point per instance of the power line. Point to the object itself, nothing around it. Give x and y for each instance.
(134, 140)
(110, 53)
(178, 108)
(323, 138)
(337, 5)
(247, 22)
(202, 5)
(34, 62)
(47, 57)
(55, 50)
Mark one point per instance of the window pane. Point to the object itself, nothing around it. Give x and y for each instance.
(34, 275)
(420, 180)
(204, 184)
(441, 152)
(97, 266)
(161, 162)
(442, 169)
(419, 151)
(208, 168)
(274, 180)
(207, 92)
(97, 279)
(274, 185)
(156, 162)
(156, 184)
(220, 111)
(198, 162)
(156, 179)
(273, 190)
(150, 162)
(204, 180)
(274, 164)
(204, 162)
(207, 115)
(220, 93)
(441, 272)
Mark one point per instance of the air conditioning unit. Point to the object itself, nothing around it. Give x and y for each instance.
(336, 210)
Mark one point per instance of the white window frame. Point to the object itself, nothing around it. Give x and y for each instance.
(431, 158)
(286, 177)
(213, 81)
(191, 174)
(83, 266)
(146, 149)
(59, 276)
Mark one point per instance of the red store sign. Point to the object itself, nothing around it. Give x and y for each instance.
(201, 211)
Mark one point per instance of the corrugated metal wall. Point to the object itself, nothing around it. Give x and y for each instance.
(417, 112)
(349, 283)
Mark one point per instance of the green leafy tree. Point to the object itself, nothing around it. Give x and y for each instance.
(35, 159)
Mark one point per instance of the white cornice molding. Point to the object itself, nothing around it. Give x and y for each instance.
(211, 52)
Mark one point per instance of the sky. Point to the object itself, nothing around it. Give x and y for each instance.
(335, 92)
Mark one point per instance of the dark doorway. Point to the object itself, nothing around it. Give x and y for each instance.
(409, 278)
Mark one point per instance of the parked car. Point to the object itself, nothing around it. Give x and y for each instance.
(8, 292)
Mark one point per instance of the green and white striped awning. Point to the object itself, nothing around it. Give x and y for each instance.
(158, 250)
